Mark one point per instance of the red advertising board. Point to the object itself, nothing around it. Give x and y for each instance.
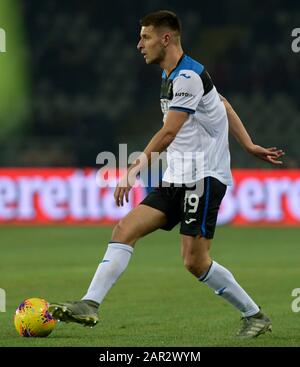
(264, 197)
(59, 195)
(69, 195)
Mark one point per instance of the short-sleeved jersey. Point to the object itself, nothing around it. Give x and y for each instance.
(200, 148)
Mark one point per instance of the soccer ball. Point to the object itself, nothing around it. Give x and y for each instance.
(33, 319)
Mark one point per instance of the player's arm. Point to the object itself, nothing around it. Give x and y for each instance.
(159, 142)
(164, 137)
(238, 130)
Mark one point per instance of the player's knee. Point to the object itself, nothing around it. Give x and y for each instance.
(196, 266)
(122, 233)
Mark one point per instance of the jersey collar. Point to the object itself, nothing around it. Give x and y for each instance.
(172, 71)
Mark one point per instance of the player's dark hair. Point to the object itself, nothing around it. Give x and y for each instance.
(162, 18)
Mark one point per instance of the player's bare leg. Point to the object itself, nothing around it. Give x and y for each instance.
(139, 222)
(195, 253)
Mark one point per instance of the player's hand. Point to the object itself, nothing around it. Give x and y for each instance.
(270, 155)
(123, 188)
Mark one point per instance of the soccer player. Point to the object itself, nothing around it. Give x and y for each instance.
(195, 134)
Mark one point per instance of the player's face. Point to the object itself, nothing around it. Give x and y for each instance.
(151, 45)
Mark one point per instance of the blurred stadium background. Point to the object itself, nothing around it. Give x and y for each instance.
(73, 85)
(72, 75)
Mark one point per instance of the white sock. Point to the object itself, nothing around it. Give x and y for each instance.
(114, 262)
(224, 284)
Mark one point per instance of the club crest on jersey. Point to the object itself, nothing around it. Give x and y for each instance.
(164, 103)
(166, 90)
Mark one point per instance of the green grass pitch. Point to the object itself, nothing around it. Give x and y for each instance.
(156, 302)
